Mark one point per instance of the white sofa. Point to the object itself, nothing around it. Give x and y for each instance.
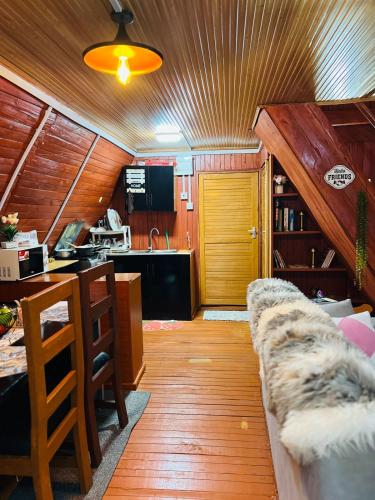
(343, 467)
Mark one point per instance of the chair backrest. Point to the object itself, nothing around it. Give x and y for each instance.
(40, 352)
(99, 309)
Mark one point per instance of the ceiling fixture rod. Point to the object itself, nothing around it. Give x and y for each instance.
(116, 5)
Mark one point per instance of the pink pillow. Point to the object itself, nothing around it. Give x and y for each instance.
(359, 334)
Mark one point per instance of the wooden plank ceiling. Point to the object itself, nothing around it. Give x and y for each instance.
(222, 58)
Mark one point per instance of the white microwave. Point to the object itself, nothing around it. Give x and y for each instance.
(21, 263)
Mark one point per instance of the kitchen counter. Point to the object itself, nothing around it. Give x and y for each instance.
(153, 253)
(58, 264)
(168, 282)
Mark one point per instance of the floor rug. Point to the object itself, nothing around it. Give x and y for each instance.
(226, 315)
(151, 326)
(112, 440)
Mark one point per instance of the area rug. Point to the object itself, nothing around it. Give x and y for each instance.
(226, 315)
(151, 326)
(112, 441)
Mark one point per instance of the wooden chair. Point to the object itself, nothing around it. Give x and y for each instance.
(44, 405)
(101, 352)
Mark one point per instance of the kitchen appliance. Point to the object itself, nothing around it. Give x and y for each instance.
(69, 235)
(22, 263)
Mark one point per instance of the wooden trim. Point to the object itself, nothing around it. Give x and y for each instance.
(366, 112)
(197, 152)
(22, 160)
(260, 107)
(71, 189)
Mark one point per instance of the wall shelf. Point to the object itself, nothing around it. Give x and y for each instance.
(309, 270)
(296, 233)
(285, 195)
(295, 247)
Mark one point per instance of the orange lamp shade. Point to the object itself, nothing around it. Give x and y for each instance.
(105, 57)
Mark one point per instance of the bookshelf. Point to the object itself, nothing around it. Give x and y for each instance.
(294, 245)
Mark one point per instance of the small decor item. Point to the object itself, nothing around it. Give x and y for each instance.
(313, 257)
(8, 317)
(339, 176)
(279, 181)
(301, 216)
(8, 230)
(361, 240)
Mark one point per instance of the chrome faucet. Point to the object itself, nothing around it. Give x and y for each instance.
(150, 238)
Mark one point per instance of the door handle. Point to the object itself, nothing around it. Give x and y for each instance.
(253, 232)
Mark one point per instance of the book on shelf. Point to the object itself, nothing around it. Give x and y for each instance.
(292, 219)
(286, 219)
(278, 259)
(328, 258)
(280, 219)
(277, 208)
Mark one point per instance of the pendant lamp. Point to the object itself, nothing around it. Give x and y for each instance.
(122, 57)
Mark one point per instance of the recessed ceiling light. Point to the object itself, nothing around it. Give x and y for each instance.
(168, 133)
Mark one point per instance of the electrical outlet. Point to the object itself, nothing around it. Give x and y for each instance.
(184, 196)
(190, 205)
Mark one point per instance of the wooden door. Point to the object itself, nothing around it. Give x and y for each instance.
(228, 210)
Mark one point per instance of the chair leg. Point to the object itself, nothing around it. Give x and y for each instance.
(92, 432)
(82, 456)
(119, 400)
(42, 480)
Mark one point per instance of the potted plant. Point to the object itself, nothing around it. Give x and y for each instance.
(279, 181)
(8, 230)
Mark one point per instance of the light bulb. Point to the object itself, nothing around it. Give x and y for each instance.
(123, 71)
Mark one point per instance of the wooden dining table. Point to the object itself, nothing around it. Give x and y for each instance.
(128, 287)
(13, 362)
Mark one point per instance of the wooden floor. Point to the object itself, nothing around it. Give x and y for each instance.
(203, 432)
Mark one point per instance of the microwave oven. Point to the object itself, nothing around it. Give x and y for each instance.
(23, 262)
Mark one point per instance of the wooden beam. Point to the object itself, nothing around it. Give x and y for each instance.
(25, 154)
(366, 112)
(340, 117)
(71, 189)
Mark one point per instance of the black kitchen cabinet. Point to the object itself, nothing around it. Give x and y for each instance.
(166, 283)
(149, 188)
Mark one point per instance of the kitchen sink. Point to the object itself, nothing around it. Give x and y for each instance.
(153, 251)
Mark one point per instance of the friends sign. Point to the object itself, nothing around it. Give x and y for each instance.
(339, 176)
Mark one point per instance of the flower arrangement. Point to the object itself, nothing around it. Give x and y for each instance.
(279, 181)
(8, 227)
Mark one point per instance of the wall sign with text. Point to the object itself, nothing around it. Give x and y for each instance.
(339, 176)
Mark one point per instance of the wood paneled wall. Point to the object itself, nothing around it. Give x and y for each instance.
(20, 114)
(182, 222)
(52, 166)
(363, 154)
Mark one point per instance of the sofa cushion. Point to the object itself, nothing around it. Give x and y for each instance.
(358, 329)
(338, 309)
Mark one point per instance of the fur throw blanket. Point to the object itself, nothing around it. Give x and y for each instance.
(320, 387)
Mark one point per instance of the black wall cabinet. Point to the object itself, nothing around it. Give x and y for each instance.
(165, 284)
(149, 188)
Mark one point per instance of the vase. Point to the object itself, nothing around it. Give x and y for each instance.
(279, 188)
(9, 244)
